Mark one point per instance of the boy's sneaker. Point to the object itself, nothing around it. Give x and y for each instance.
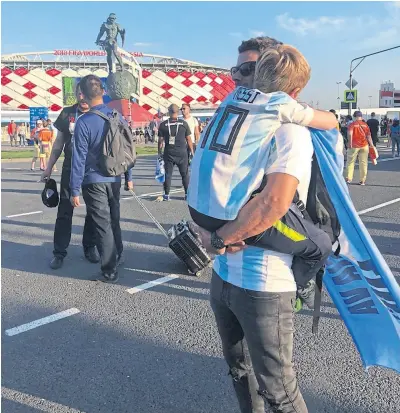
(110, 278)
(162, 198)
(307, 294)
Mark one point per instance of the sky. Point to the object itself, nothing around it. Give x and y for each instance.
(329, 34)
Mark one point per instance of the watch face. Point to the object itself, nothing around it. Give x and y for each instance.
(216, 241)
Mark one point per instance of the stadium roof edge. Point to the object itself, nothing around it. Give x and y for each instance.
(25, 56)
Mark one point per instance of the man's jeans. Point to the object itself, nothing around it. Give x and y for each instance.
(63, 227)
(102, 205)
(256, 330)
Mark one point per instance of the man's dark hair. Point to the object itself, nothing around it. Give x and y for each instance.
(332, 111)
(373, 114)
(77, 87)
(91, 87)
(258, 44)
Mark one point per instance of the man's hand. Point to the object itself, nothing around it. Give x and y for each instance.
(130, 185)
(205, 238)
(45, 175)
(75, 201)
(238, 246)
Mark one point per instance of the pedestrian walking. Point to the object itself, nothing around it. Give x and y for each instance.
(22, 133)
(373, 125)
(12, 133)
(395, 137)
(176, 135)
(359, 139)
(65, 124)
(101, 193)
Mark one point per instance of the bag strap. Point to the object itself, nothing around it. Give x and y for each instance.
(101, 114)
(317, 300)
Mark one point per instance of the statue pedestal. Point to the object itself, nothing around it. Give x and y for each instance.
(122, 106)
(136, 114)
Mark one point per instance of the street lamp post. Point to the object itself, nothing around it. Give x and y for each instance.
(338, 94)
(370, 97)
(361, 58)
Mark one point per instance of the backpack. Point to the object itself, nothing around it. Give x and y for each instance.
(119, 152)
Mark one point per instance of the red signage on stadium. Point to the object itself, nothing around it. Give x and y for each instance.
(89, 53)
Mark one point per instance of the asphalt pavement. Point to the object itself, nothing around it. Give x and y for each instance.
(136, 347)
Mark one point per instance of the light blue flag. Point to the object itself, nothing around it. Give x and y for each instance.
(359, 281)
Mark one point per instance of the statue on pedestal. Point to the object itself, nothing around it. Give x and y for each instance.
(110, 43)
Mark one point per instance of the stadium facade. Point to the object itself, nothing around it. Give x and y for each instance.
(42, 79)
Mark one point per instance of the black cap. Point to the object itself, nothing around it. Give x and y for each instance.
(50, 196)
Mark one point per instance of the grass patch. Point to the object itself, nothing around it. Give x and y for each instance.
(147, 150)
(28, 153)
(24, 153)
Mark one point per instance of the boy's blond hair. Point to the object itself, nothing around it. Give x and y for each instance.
(281, 68)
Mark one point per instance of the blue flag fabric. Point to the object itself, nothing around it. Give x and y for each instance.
(358, 280)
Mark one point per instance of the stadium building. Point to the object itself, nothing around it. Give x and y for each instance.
(389, 97)
(47, 79)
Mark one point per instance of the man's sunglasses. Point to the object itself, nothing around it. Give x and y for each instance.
(245, 69)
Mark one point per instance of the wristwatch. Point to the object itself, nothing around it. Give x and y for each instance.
(216, 241)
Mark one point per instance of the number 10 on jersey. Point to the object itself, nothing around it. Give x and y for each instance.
(223, 139)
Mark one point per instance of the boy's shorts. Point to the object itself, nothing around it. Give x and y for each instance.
(45, 149)
(292, 234)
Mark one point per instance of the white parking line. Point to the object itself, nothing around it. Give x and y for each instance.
(173, 191)
(37, 323)
(386, 160)
(35, 403)
(24, 214)
(364, 211)
(150, 284)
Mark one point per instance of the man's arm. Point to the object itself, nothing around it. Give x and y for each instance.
(263, 210)
(188, 136)
(196, 132)
(160, 140)
(190, 144)
(368, 136)
(101, 32)
(304, 115)
(350, 136)
(56, 152)
(287, 164)
(122, 33)
(79, 154)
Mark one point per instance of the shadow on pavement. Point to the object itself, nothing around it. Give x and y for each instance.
(82, 364)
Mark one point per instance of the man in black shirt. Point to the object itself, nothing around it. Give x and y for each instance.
(373, 125)
(65, 124)
(175, 135)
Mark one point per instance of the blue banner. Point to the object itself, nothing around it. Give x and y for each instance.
(359, 281)
(37, 113)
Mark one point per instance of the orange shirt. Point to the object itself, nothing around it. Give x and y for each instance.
(360, 131)
(45, 135)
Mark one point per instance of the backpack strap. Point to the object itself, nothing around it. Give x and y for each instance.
(101, 114)
(317, 300)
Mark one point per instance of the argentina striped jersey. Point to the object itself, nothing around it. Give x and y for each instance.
(233, 152)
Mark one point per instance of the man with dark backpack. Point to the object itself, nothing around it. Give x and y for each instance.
(103, 149)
